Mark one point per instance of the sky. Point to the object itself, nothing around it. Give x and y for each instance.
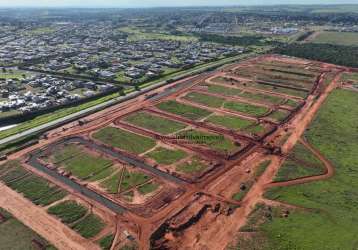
(158, 3)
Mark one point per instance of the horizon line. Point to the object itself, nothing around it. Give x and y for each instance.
(161, 6)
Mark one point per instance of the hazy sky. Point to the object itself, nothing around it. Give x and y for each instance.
(156, 3)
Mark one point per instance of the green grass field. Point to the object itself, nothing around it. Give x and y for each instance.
(16, 236)
(148, 188)
(339, 38)
(111, 184)
(306, 165)
(79, 162)
(192, 166)
(166, 156)
(278, 115)
(207, 100)
(132, 178)
(13, 75)
(89, 226)
(213, 141)
(155, 123)
(124, 140)
(351, 77)
(229, 122)
(217, 89)
(332, 221)
(68, 211)
(187, 111)
(282, 90)
(34, 188)
(106, 242)
(246, 108)
(262, 97)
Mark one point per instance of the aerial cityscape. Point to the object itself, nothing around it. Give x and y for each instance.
(194, 125)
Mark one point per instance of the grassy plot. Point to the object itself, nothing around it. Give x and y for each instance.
(292, 103)
(111, 184)
(246, 108)
(15, 235)
(217, 89)
(132, 178)
(207, 100)
(262, 97)
(277, 89)
(89, 226)
(339, 38)
(124, 140)
(229, 122)
(332, 224)
(68, 211)
(194, 165)
(214, 141)
(155, 123)
(148, 188)
(187, 111)
(81, 164)
(166, 156)
(278, 115)
(106, 242)
(34, 188)
(306, 165)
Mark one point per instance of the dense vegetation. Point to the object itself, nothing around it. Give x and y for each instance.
(336, 54)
